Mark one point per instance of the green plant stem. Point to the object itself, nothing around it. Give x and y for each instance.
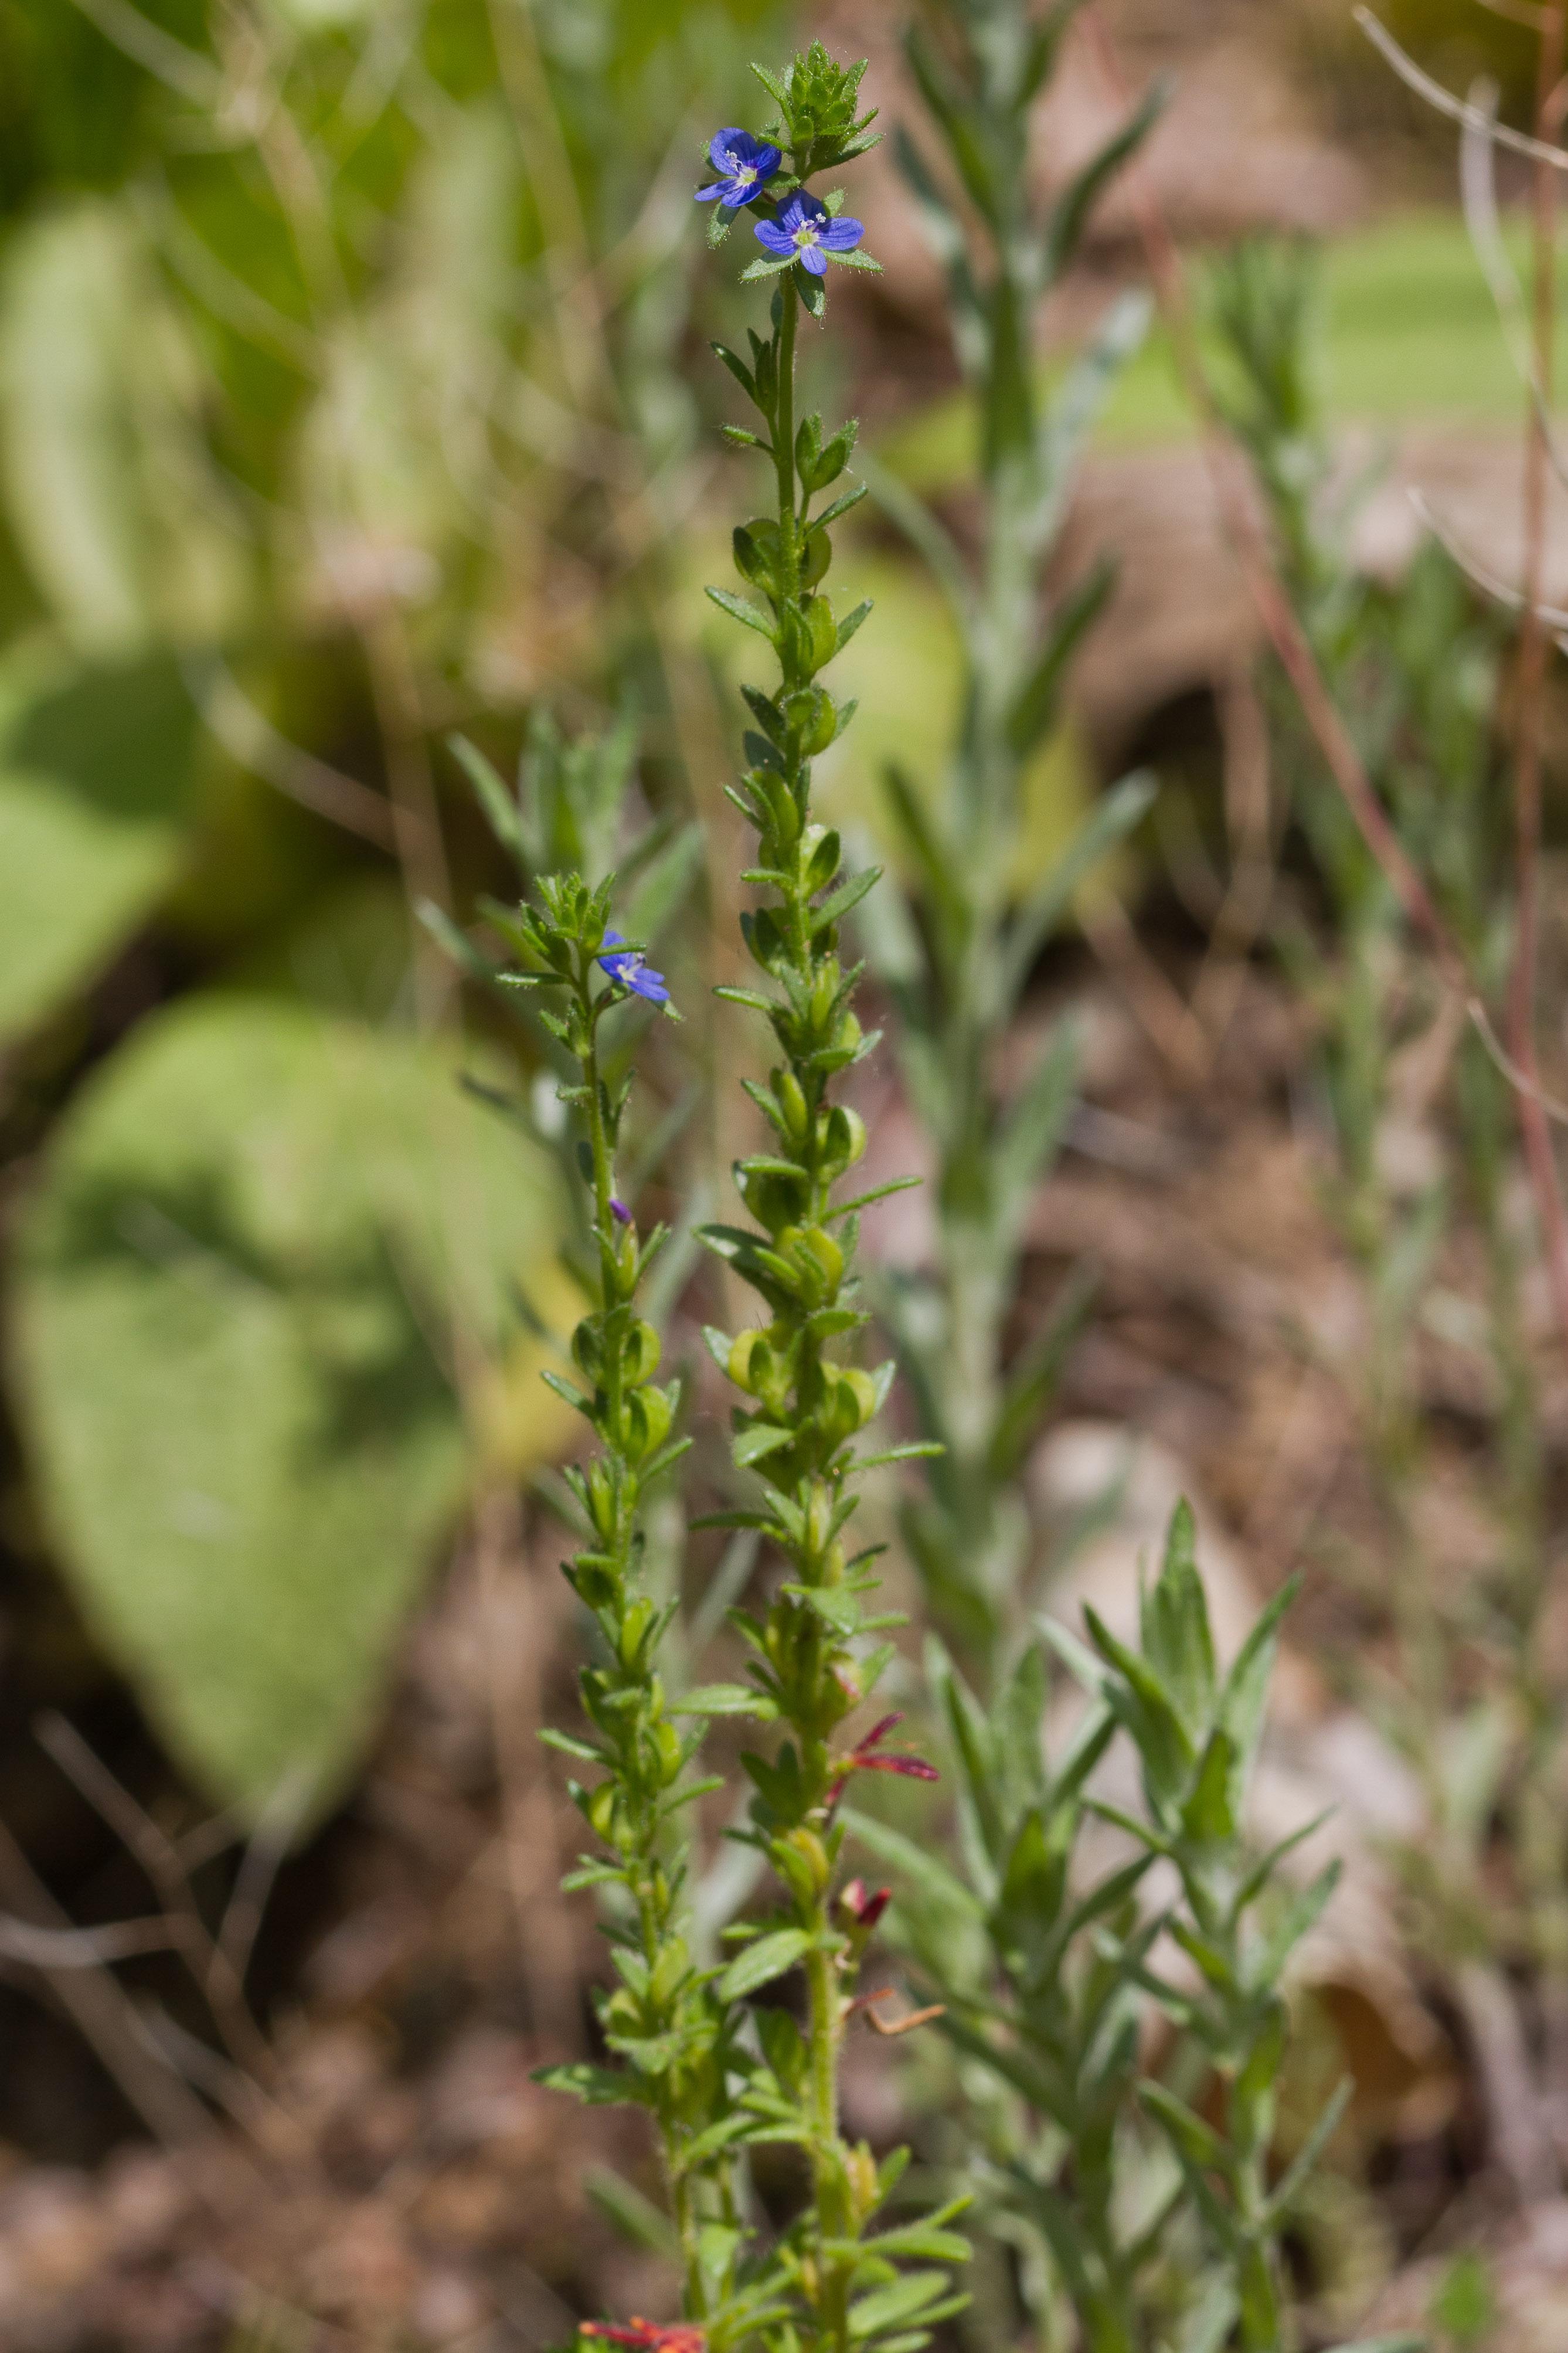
(810, 1664)
(828, 2175)
(784, 445)
(825, 2003)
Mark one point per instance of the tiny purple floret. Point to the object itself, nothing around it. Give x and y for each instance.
(745, 165)
(632, 973)
(619, 1211)
(805, 230)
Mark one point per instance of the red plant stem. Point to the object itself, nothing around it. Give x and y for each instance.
(1255, 558)
(1532, 692)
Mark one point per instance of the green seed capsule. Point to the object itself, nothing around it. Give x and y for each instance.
(791, 1100)
(602, 1806)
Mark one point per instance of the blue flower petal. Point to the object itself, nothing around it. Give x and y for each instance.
(840, 236)
(776, 238)
(747, 164)
(627, 969)
(812, 258)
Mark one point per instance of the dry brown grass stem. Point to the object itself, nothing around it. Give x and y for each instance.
(1534, 647)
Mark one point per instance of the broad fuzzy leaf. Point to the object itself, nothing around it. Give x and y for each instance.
(96, 779)
(248, 1454)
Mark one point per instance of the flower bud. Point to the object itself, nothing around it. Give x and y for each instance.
(820, 1250)
(634, 1630)
(860, 2167)
(856, 1394)
(601, 1810)
(588, 1347)
(667, 1745)
(843, 1138)
(814, 1855)
(650, 1413)
(862, 1909)
(744, 1348)
(640, 1352)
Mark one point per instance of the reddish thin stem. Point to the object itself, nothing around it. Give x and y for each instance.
(1532, 695)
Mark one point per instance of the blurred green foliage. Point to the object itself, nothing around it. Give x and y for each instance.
(340, 405)
(96, 776)
(1406, 330)
(1466, 2303)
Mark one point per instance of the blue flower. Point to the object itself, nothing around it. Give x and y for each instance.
(746, 163)
(632, 973)
(805, 230)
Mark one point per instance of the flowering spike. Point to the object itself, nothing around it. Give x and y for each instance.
(801, 1408)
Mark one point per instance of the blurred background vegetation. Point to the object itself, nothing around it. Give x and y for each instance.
(354, 394)
(342, 405)
(349, 398)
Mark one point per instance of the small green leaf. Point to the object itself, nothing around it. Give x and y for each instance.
(775, 87)
(850, 623)
(1207, 1816)
(1245, 1691)
(500, 808)
(903, 2299)
(598, 2087)
(1195, 2141)
(740, 610)
(837, 1608)
(1145, 1707)
(566, 1745)
(725, 1699)
(1266, 1964)
(758, 1966)
(1177, 1642)
(922, 1869)
(762, 1439)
